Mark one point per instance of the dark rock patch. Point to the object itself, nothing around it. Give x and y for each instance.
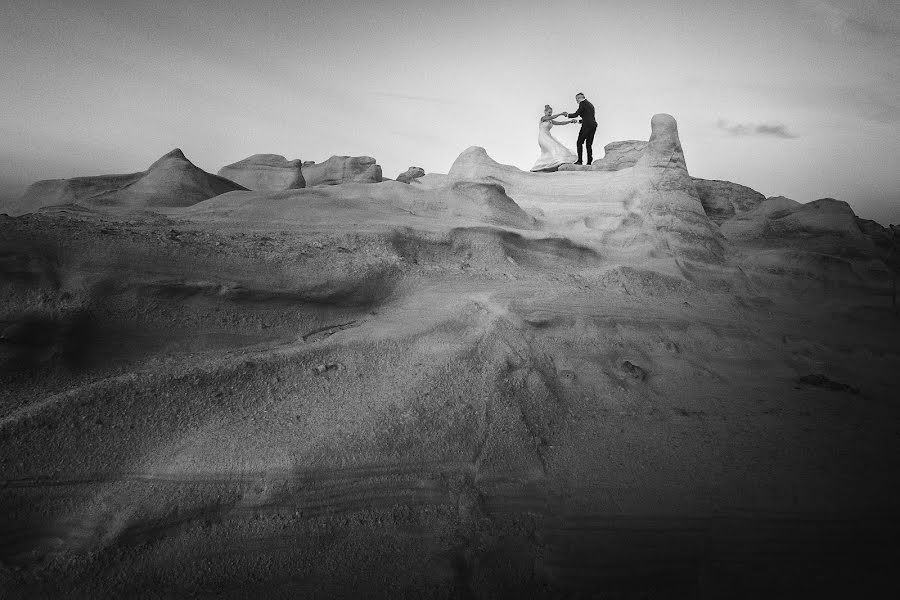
(634, 371)
(821, 381)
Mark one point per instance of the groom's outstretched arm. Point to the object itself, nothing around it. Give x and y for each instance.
(577, 113)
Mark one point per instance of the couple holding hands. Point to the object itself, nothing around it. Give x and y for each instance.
(553, 153)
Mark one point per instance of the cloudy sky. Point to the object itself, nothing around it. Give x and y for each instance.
(798, 98)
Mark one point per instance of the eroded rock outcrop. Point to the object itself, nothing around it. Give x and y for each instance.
(266, 173)
(649, 208)
(475, 163)
(723, 199)
(620, 155)
(410, 174)
(824, 222)
(672, 203)
(485, 202)
(884, 237)
(342, 169)
(448, 206)
(617, 156)
(54, 192)
(171, 181)
(775, 204)
(664, 148)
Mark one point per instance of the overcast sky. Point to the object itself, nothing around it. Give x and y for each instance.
(798, 98)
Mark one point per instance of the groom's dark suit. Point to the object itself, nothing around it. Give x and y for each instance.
(588, 128)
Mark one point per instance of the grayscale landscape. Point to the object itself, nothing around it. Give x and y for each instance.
(305, 379)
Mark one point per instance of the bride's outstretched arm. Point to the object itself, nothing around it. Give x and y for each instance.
(561, 122)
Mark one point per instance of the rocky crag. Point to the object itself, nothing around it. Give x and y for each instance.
(266, 173)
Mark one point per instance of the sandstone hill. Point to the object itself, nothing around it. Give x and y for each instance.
(171, 181)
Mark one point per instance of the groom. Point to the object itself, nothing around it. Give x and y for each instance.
(588, 126)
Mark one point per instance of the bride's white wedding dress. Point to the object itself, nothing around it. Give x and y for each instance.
(553, 153)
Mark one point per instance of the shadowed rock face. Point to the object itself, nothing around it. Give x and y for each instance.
(342, 169)
(723, 199)
(265, 173)
(886, 237)
(171, 181)
(53, 192)
(783, 219)
(410, 174)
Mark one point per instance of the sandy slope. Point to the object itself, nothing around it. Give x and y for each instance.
(392, 390)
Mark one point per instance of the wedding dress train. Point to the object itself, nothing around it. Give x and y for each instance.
(553, 153)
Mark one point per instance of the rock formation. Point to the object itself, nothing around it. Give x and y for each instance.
(720, 199)
(410, 174)
(474, 163)
(650, 208)
(673, 205)
(342, 169)
(664, 148)
(723, 199)
(884, 237)
(171, 181)
(781, 218)
(381, 208)
(265, 173)
(485, 202)
(775, 204)
(617, 155)
(52, 192)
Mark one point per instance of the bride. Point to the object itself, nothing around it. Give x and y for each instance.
(553, 153)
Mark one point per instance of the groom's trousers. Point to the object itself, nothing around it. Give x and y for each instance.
(586, 135)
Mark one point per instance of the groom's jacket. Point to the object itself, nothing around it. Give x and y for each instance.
(586, 112)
